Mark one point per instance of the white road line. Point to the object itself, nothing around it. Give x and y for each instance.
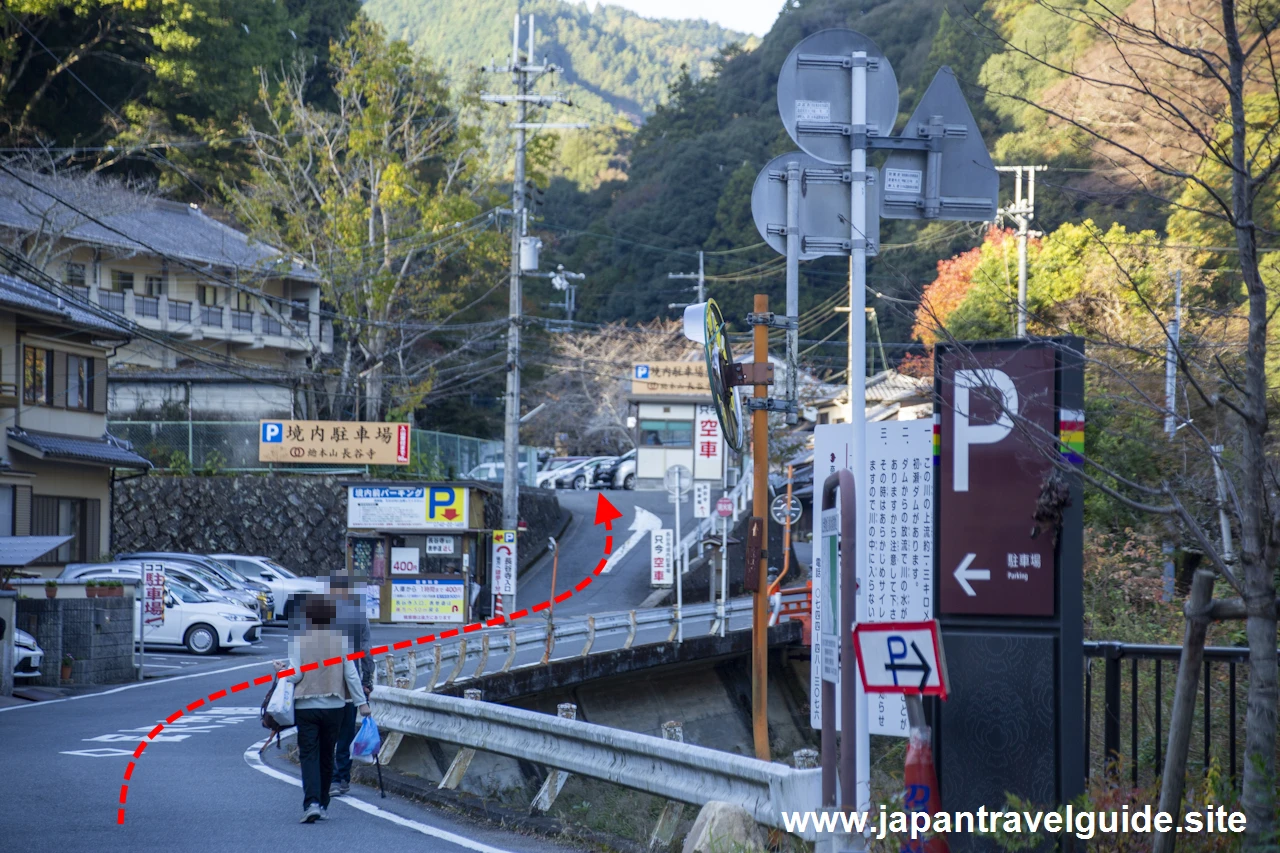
(135, 686)
(252, 758)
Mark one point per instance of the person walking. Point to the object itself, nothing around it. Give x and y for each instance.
(319, 698)
(354, 624)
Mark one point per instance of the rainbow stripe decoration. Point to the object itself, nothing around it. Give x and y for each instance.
(1070, 435)
(937, 438)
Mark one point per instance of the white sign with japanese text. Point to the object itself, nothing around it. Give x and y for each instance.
(831, 453)
(386, 507)
(701, 500)
(440, 546)
(708, 445)
(661, 548)
(404, 561)
(153, 594)
(504, 563)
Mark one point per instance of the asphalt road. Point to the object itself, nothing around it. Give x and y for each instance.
(626, 584)
(192, 789)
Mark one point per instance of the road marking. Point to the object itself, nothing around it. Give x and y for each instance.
(641, 526)
(134, 686)
(254, 760)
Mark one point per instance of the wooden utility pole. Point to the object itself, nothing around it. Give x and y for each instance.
(760, 523)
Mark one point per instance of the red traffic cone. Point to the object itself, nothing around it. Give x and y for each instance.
(920, 794)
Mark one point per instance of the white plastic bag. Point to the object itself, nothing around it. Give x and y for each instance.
(280, 705)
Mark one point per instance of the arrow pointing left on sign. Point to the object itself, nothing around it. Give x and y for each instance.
(921, 665)
(964, 574)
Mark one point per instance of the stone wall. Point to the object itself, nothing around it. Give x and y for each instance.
(298, 520)
(97, 632)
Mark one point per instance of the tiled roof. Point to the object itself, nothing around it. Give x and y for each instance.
(107, 450)
(22, 295)
(137, 223)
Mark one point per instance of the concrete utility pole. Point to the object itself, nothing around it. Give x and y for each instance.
(699, 277)
(1022, 211)
(524, 72)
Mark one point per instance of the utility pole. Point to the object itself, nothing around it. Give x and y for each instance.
(1171, 358)
(699, 277)
(524, 71)
(1022, 211)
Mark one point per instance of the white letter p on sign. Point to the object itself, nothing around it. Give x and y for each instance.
(967, 434)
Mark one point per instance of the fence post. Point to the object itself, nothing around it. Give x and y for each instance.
(462, 760)
(1198, 607)
(462, 659)
(435, 670)
(1111, 710)
(669, 819)
(631, 630)
(511, 651)
(555, 780)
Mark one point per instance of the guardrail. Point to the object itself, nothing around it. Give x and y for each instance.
(473, 656)
(666, 768)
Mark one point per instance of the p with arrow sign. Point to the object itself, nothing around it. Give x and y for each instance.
(901, 657)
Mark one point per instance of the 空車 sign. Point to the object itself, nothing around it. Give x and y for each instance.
(327, 442)
(661, 564)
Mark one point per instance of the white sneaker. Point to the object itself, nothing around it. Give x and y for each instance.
(312, 814)
(324, 813)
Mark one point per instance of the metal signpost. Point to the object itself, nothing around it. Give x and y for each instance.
(1010, 552)
(678, 480)
(838, 99)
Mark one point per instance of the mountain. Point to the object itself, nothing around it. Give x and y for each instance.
(612, 57)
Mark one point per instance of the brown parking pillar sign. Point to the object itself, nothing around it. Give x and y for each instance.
(996, 426)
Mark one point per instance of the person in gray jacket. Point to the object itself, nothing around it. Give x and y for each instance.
(354, 624)
(319, 699)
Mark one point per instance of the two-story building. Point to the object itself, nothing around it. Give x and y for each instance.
(226, 324)
(57, 461)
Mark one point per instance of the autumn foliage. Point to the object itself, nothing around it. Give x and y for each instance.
(946, 292)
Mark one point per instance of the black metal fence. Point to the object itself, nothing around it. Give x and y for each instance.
(1144, 701)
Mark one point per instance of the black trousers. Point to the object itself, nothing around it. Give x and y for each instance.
(342, 756)
(317, 735)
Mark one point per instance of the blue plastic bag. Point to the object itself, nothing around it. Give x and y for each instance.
(367, 742)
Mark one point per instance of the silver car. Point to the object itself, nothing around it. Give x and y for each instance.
(210, 586)
(258, 590)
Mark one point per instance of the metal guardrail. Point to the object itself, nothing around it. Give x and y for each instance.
(666, 768)
(473, 656)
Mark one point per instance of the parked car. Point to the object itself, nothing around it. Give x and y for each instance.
(189, 574)
(555, 467)
(618, 474)
(258, 589)
(580, 476)
(203, 625)
(26, 655)
(492, 472)
(283, 583)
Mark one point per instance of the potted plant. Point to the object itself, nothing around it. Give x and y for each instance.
(67, 660)
(91, 589)
(111, 589)
(50, 589)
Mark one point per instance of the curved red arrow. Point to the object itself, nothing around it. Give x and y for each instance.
(606, 513)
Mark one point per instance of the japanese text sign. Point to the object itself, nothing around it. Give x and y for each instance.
(504, 562)
(663, 378)
(328, 442)
(661, 563)
(153, 592)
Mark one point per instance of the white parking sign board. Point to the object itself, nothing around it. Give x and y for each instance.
(661, 568)
(901, 657)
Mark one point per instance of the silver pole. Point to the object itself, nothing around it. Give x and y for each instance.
(142, 630)
(858, 392)
(793, 283)
(1224, 522)
(679, 566)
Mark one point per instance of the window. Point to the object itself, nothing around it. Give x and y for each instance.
(155, 285)
(37, 376)
(666, 433)
(244, 301)
(79, 382)
(74, 517)
(207, 294)
(74, 275)
(121, 280)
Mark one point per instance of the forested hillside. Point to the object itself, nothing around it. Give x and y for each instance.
(611, 56)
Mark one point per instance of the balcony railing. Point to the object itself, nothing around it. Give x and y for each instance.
(79, 290)
(210, 315)
(111, 301)
(179, 312)
(147, 306)
(242, 321)
(271, 326)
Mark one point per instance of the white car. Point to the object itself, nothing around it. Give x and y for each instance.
(203, 626)
(283, 582)
(26, 655)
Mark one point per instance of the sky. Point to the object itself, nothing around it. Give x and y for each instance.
(748, 16)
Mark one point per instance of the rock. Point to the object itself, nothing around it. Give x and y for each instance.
(724, 826)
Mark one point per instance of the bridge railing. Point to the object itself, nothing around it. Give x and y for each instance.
(672, 769)
(497, 650)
